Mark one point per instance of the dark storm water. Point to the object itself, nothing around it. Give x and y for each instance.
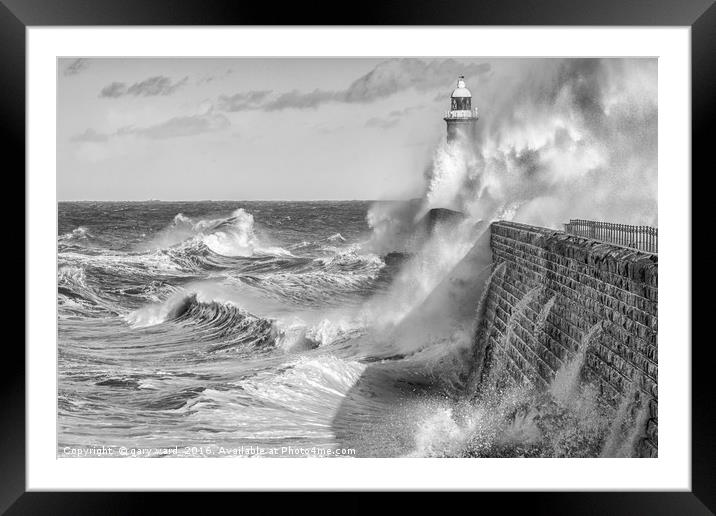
(203, 326)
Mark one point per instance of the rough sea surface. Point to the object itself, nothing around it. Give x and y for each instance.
(205, 328)
(222, 329)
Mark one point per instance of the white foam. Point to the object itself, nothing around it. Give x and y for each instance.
(157, 313)
(233, 236)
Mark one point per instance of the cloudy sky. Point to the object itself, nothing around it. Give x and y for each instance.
(296, 128)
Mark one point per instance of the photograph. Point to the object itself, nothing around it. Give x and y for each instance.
(351, 257)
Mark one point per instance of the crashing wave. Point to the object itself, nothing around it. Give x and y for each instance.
(217, 320)
(80, 238)
(233, 236)
(158, 313)
(297, 335)
(336, 238)
(351, 257)
(79, 233)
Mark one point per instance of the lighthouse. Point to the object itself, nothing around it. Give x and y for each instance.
(462, 118)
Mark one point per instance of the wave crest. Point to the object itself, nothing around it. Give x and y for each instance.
(232, 236)
(222, 321)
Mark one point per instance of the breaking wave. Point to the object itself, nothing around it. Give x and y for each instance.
(232, 236)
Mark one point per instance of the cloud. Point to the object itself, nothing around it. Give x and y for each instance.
(114, 90)
(76, 66)
(90, 135)
(176, 127)
(158, 85)
(395, 75)
(386, 79)
(182, 126)
(153, 86)
(242, 101)
(298, 100)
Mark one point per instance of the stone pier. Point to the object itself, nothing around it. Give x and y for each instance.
(587, 286)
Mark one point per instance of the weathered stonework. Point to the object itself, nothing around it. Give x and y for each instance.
(551, 291)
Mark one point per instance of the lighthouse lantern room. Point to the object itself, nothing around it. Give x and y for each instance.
(462, 118)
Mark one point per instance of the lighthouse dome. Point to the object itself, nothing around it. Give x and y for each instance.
(461, 90)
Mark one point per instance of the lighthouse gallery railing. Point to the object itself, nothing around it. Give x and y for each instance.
(461, 113)
(644, 238)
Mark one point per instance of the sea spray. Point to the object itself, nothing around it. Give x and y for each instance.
(437, 327)
(297, 334)
(566, 380)
(157, 313)
(499, 270)
(638, 430)
(422, 272)
(232, 236)
(452, 163)
(547, 154)
(439, 434)
(628, 424)
(620, 423)
(478, 360)
(523, 421)
(518, 311)
(542, 316)
(497, 367)
(507, 418)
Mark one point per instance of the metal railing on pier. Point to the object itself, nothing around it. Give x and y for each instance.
(644, 238)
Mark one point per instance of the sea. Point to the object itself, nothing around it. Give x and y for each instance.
(228, 328)
(288, 329)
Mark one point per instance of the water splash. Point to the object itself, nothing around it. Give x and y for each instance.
(566, 381)
(423, 272)
(556, 132)
(628, 425)
(520, 420)
(478, 362)
(496, 375)
(542, 316)
(497, 271)
(439, 434)
(517, 312)
(232, 236)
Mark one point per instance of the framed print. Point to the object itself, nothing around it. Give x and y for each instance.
(419, 252)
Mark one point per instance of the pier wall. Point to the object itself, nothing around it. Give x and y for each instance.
(554, 298)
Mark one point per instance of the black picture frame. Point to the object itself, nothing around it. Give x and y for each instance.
(700, 15)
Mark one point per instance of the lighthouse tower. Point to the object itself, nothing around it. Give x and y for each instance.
(462, 118)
